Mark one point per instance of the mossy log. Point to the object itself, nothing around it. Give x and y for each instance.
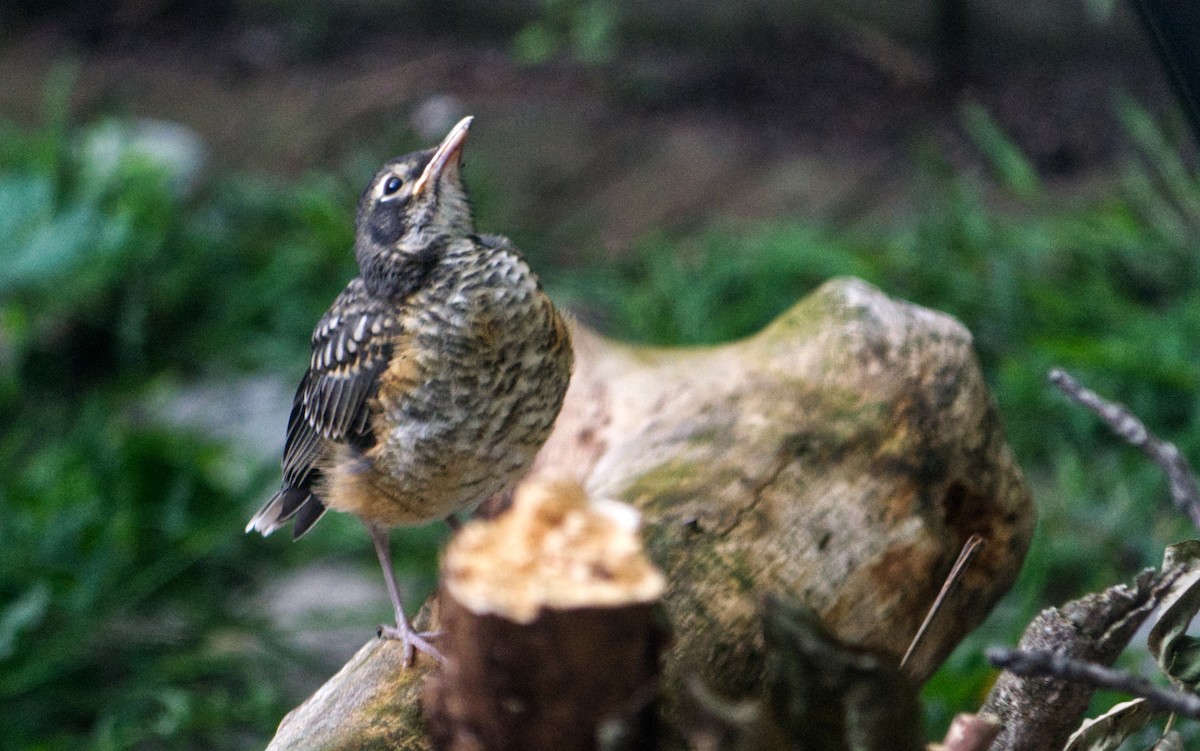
(840, 457)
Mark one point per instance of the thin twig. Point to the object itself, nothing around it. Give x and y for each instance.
(969, 549)
(1032, 663)
(1185, 490)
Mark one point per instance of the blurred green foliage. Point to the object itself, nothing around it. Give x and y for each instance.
(124, 578)
(587, 30)
(123, 573)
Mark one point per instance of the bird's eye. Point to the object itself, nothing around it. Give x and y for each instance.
(392, 185)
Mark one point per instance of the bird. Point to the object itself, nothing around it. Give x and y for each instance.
(435, 376)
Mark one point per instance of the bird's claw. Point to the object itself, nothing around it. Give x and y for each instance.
(413, 642)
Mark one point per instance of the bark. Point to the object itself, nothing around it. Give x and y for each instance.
(1042, 712)
(373, 702)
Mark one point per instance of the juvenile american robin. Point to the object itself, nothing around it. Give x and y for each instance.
(435, 377)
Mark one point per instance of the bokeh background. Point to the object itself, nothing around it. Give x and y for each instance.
(176, 190)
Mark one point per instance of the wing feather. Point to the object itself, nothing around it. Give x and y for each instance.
(352, 345)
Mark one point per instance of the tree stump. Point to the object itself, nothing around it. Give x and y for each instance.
(841, 457)
(549, 627)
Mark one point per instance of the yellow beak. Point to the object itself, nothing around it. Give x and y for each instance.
(448, 154)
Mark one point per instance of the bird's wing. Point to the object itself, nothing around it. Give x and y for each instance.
(351, 348)
(352, 345)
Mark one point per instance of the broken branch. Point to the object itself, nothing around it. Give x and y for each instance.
(1185, 491)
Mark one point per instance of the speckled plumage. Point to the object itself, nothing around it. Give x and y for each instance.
(436, 375)
(479, 366)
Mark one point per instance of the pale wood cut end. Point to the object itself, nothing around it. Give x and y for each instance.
(554, 550)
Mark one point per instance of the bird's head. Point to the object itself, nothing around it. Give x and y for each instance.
(411, 207)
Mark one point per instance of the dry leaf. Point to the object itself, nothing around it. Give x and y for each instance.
(1178, 654)
(1108, 731)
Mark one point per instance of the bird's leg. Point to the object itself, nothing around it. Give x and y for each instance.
(403, 630)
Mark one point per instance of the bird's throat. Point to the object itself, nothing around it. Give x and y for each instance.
(394, 273)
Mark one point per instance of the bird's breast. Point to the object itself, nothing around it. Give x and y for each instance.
(473, 390)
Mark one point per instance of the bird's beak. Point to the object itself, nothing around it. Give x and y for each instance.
(447, 156)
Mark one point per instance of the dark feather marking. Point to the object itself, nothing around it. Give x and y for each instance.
(386, 223)
(307, 515)
(395, 275)
(291, 499)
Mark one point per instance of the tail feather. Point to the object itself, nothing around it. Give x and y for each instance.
(283, 506)
(307, 515)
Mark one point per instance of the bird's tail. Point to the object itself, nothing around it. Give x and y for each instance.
(288, 503)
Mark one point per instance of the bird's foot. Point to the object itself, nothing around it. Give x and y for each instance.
(413, 641)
